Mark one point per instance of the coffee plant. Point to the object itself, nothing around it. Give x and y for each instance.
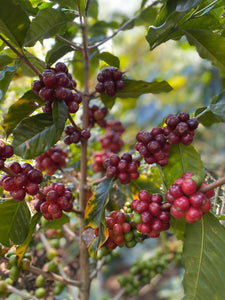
(77, 187)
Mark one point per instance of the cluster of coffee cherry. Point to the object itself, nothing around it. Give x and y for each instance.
(96, 115)
(145, 269)
(112, 141)
(110, 81)
(52, 160)
(74, 135)
(99, 159)
(124, 168)
(6, 151)
(121, 232)
(180, 129)
(53, 200)
(187, 201)
(148, 215)
(57, 83)
(21, 179)
(154, 146)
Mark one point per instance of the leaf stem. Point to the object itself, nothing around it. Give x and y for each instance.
(21, 57)
(202, 113)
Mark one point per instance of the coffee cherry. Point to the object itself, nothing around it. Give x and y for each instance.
(193, 214)
(188, 186)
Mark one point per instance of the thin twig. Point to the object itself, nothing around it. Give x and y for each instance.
(68, 42)
(73, 123)
(86, 7)
(70, 233)
(21, 57)
(14, 290)
(61, 271)
(98, 268)
(111, 36)
(212, 185)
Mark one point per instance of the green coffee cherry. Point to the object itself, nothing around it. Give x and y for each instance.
(2, 286)
(57, 290)
(54, 243)
(14, 272)
(137, 217)
(131, 244)
(40, 246)
(9, 281)
(52, 266)
(13, 259)
(40, 292)
(11, 252)
(25, 263)
(51, 254)
(40, 280)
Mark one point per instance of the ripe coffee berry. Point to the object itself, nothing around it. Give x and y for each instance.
(124, 168)
(192, 204)
(52, 160)
(57, 198)
(57, 83)
(110, 81)
(148, 216)
(118, 230)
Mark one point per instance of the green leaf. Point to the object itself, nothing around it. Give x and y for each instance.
(204, 259)
(208, 118)
(5, 78)
(35, 135)
(209, 45)
(5, 60)
(95, 210)
(177, 226)
(20, 251)
(109, 58)
(22, 108)
(46, 24)
(14, 22)
(182, 159)
(136, 88)
(143, 183)
(14, 222)
(218, 105)
(56, 52)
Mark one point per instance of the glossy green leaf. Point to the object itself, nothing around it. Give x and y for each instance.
(14, 22)
(56, 52)
(46, 24)
(182, 159)
(14, 222)
(209, 45)
(67, 3)
(95, 210)
(218, 105)
(37, 134)
(136, 88)
(208, 118)
(21, 250)
(204, 259)
(5, 78)
(109, 58)
(21, 109)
